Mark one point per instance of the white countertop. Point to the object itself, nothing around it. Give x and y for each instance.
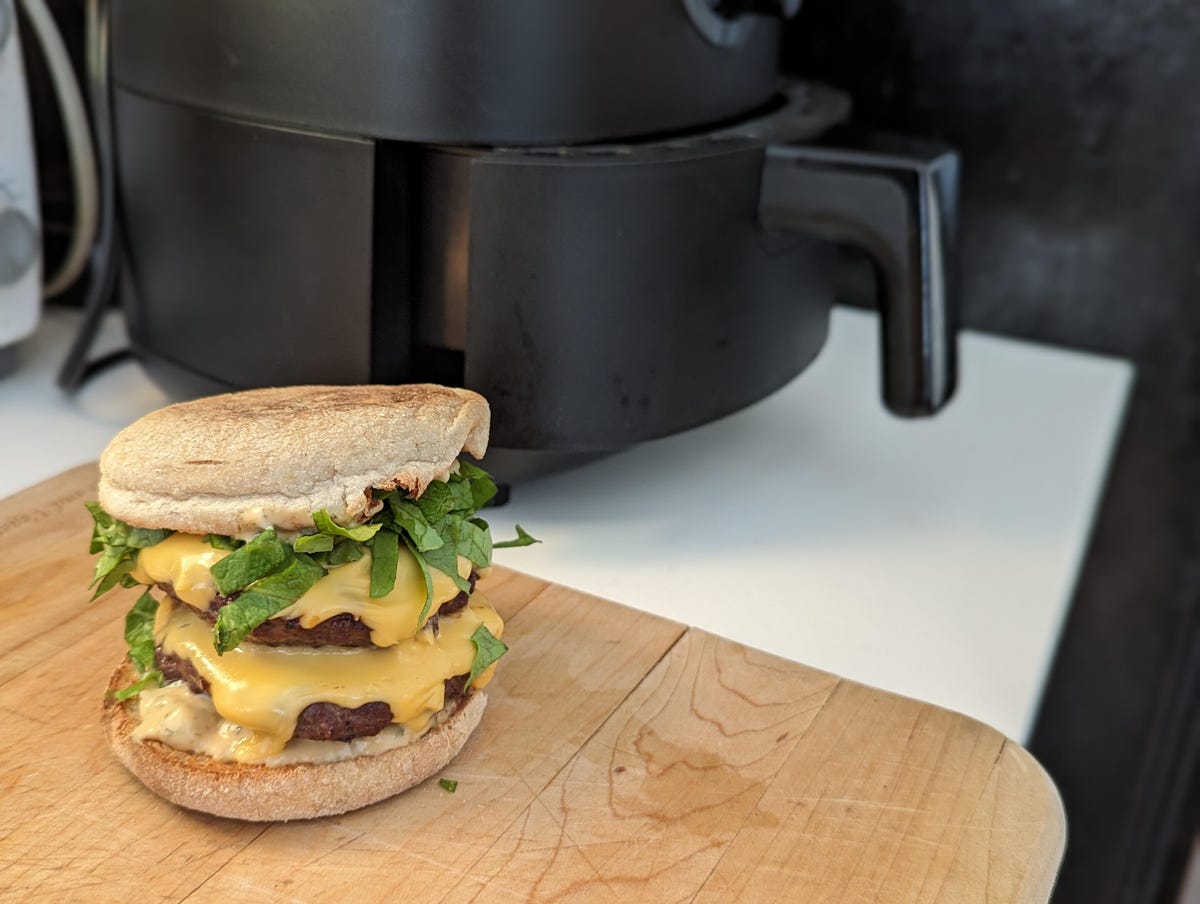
(932, 558)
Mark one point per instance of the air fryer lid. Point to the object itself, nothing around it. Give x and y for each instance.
(452, 71)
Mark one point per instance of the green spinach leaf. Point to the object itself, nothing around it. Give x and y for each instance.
(487, 650)
(264, 555)
(262, 599)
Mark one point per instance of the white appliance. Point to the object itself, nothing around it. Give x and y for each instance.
(20, 240)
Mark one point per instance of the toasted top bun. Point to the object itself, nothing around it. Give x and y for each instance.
(241, 462)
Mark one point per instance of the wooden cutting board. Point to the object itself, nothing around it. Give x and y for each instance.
(623, 757)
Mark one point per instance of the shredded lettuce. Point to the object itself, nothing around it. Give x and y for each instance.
(264, 555)
(139, 635)
(408, 517)
(314, 543)
(424, 566)
(220, 541)
(488, 649)
(385, 557)
(139, 632)
(343, 552)
(471, 539)
(118, 544)
(522, 539)
(264, 576)
(149, 680)
(326, 525)
(267, 596)
(437, 527)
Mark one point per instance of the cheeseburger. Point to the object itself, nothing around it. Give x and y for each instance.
(309, 639)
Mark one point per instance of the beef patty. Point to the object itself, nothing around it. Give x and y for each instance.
(341, 630)
(317, 721)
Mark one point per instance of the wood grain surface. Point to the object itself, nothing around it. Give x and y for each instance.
(623, 757)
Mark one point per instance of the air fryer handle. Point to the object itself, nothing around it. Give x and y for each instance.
(896, 198)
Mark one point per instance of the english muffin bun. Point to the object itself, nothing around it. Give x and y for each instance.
(270, 793)
(237, 463)
(309, 638)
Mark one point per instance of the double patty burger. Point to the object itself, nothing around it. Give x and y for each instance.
(310, 639)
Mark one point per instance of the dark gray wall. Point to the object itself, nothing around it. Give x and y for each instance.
(1079, 126)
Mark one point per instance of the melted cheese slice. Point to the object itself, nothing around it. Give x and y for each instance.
(391, 618)
(264, 689)
(185, 561)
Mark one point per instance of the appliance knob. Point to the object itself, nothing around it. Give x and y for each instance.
(18, 245)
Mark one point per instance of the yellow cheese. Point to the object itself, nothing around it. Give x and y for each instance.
(264, 689)
(391, 618)
(185, 562)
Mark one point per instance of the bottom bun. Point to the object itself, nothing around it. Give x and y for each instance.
(299, 791)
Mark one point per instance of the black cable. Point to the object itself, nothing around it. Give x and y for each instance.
(76, 368)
